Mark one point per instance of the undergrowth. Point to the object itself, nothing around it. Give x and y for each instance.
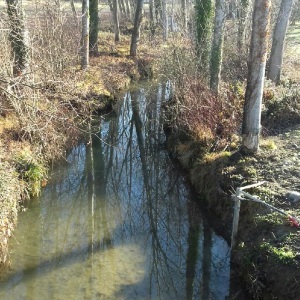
(281, 108)
(9, 195)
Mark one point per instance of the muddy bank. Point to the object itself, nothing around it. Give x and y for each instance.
(266, 255)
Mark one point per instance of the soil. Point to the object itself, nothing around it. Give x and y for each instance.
(281, 166)
(267, 275)
(267, 252)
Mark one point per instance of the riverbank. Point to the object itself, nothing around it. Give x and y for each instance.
(203, 137)
(266, 255)
(52, 116)
(216, 168)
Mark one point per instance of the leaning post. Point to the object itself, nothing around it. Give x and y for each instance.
(236, 216)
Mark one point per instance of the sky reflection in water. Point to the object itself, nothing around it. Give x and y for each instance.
(117, 221)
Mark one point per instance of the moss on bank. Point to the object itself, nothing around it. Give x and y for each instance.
(37, 126)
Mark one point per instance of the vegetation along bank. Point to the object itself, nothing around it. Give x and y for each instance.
(226, 123)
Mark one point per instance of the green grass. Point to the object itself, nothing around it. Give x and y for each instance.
(282, 254)
(31, 172)
(272, 219)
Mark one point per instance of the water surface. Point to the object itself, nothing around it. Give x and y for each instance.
(117, 221)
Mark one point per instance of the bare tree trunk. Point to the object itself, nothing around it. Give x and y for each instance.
(276, 57)
(85, 35)
(217, 46)
(116, 20)
(244, 11)
(94, 26)
(172, 17)
(136, 29)
(110, 5)
(233, 9)
(74, 12)
(151, 12)
(122, 7)
(133, 8)
(256, 73)
(127, 5)
(165, 20)
(17, 36)
(203, 20)
(158, 12)
(184, 15)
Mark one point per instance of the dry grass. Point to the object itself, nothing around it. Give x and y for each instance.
(9, 195)
(46, 109)
(291, 66)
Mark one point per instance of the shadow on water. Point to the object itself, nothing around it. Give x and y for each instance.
(62, 260)
(118, 221)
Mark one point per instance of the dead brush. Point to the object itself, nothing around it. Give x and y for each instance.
(55, 41)
(209, 119)
(42, 98)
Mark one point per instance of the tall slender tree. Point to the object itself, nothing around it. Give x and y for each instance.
(151, 16)
(243, 13)
(184, 15)
(217, 45)
(256, 73)
(203, 16)
(133, 4)
(127, 6)
(116, 20)
(122, 8)
(110, 5)
(165, 20)
(172, 16)
(158, 12)
(94, 26)
(136, 28)
(17, 36)
(74, 13)
(276, 57)
(85, 35)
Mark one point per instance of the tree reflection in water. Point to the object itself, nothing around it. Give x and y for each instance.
(117, 221)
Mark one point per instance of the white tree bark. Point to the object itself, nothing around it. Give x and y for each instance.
(276, 57)
(85, 35)
(256, 72)
(217, 45)
(172, 17)
(184, 15)
(165, 20)
(243, 20)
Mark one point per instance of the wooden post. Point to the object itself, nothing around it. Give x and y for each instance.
(236, 216)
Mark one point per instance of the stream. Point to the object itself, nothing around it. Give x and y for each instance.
(117, 220)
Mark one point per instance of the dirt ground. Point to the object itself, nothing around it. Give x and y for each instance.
(267, 254)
